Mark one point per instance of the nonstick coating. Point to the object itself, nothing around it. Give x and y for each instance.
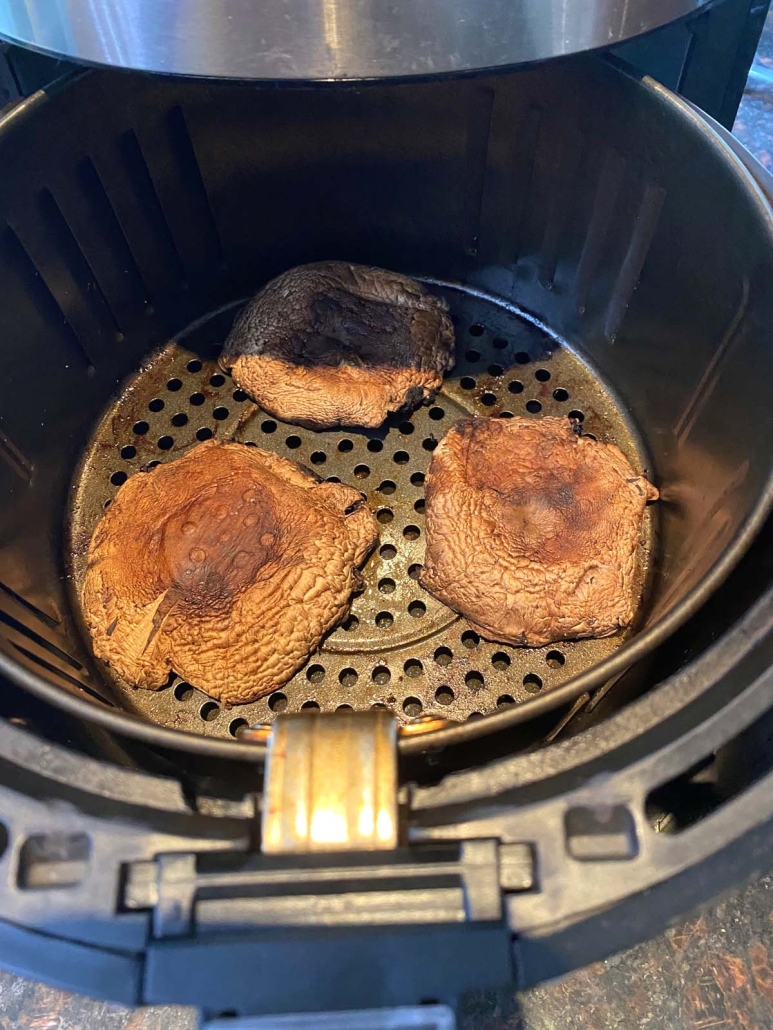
(399, 648)
(589, 201)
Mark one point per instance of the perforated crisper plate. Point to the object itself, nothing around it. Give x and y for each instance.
(399, 647)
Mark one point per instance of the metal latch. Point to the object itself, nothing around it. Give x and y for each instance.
(331, 784)
(332, 787)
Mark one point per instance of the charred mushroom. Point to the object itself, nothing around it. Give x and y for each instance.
(532, 530)
(333, 344)
(226, 566)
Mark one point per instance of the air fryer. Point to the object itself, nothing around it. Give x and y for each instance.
(606, 252)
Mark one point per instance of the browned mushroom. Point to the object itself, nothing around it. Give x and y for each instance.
(333, 344)
(532, 530)
(226, 566)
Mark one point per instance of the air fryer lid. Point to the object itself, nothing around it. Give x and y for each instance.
(573, 197)
(340, 39)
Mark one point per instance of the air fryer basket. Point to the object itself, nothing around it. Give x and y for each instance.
(603, 252)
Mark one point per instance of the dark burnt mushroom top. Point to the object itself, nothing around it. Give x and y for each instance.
(333, 313)
(334, 343)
